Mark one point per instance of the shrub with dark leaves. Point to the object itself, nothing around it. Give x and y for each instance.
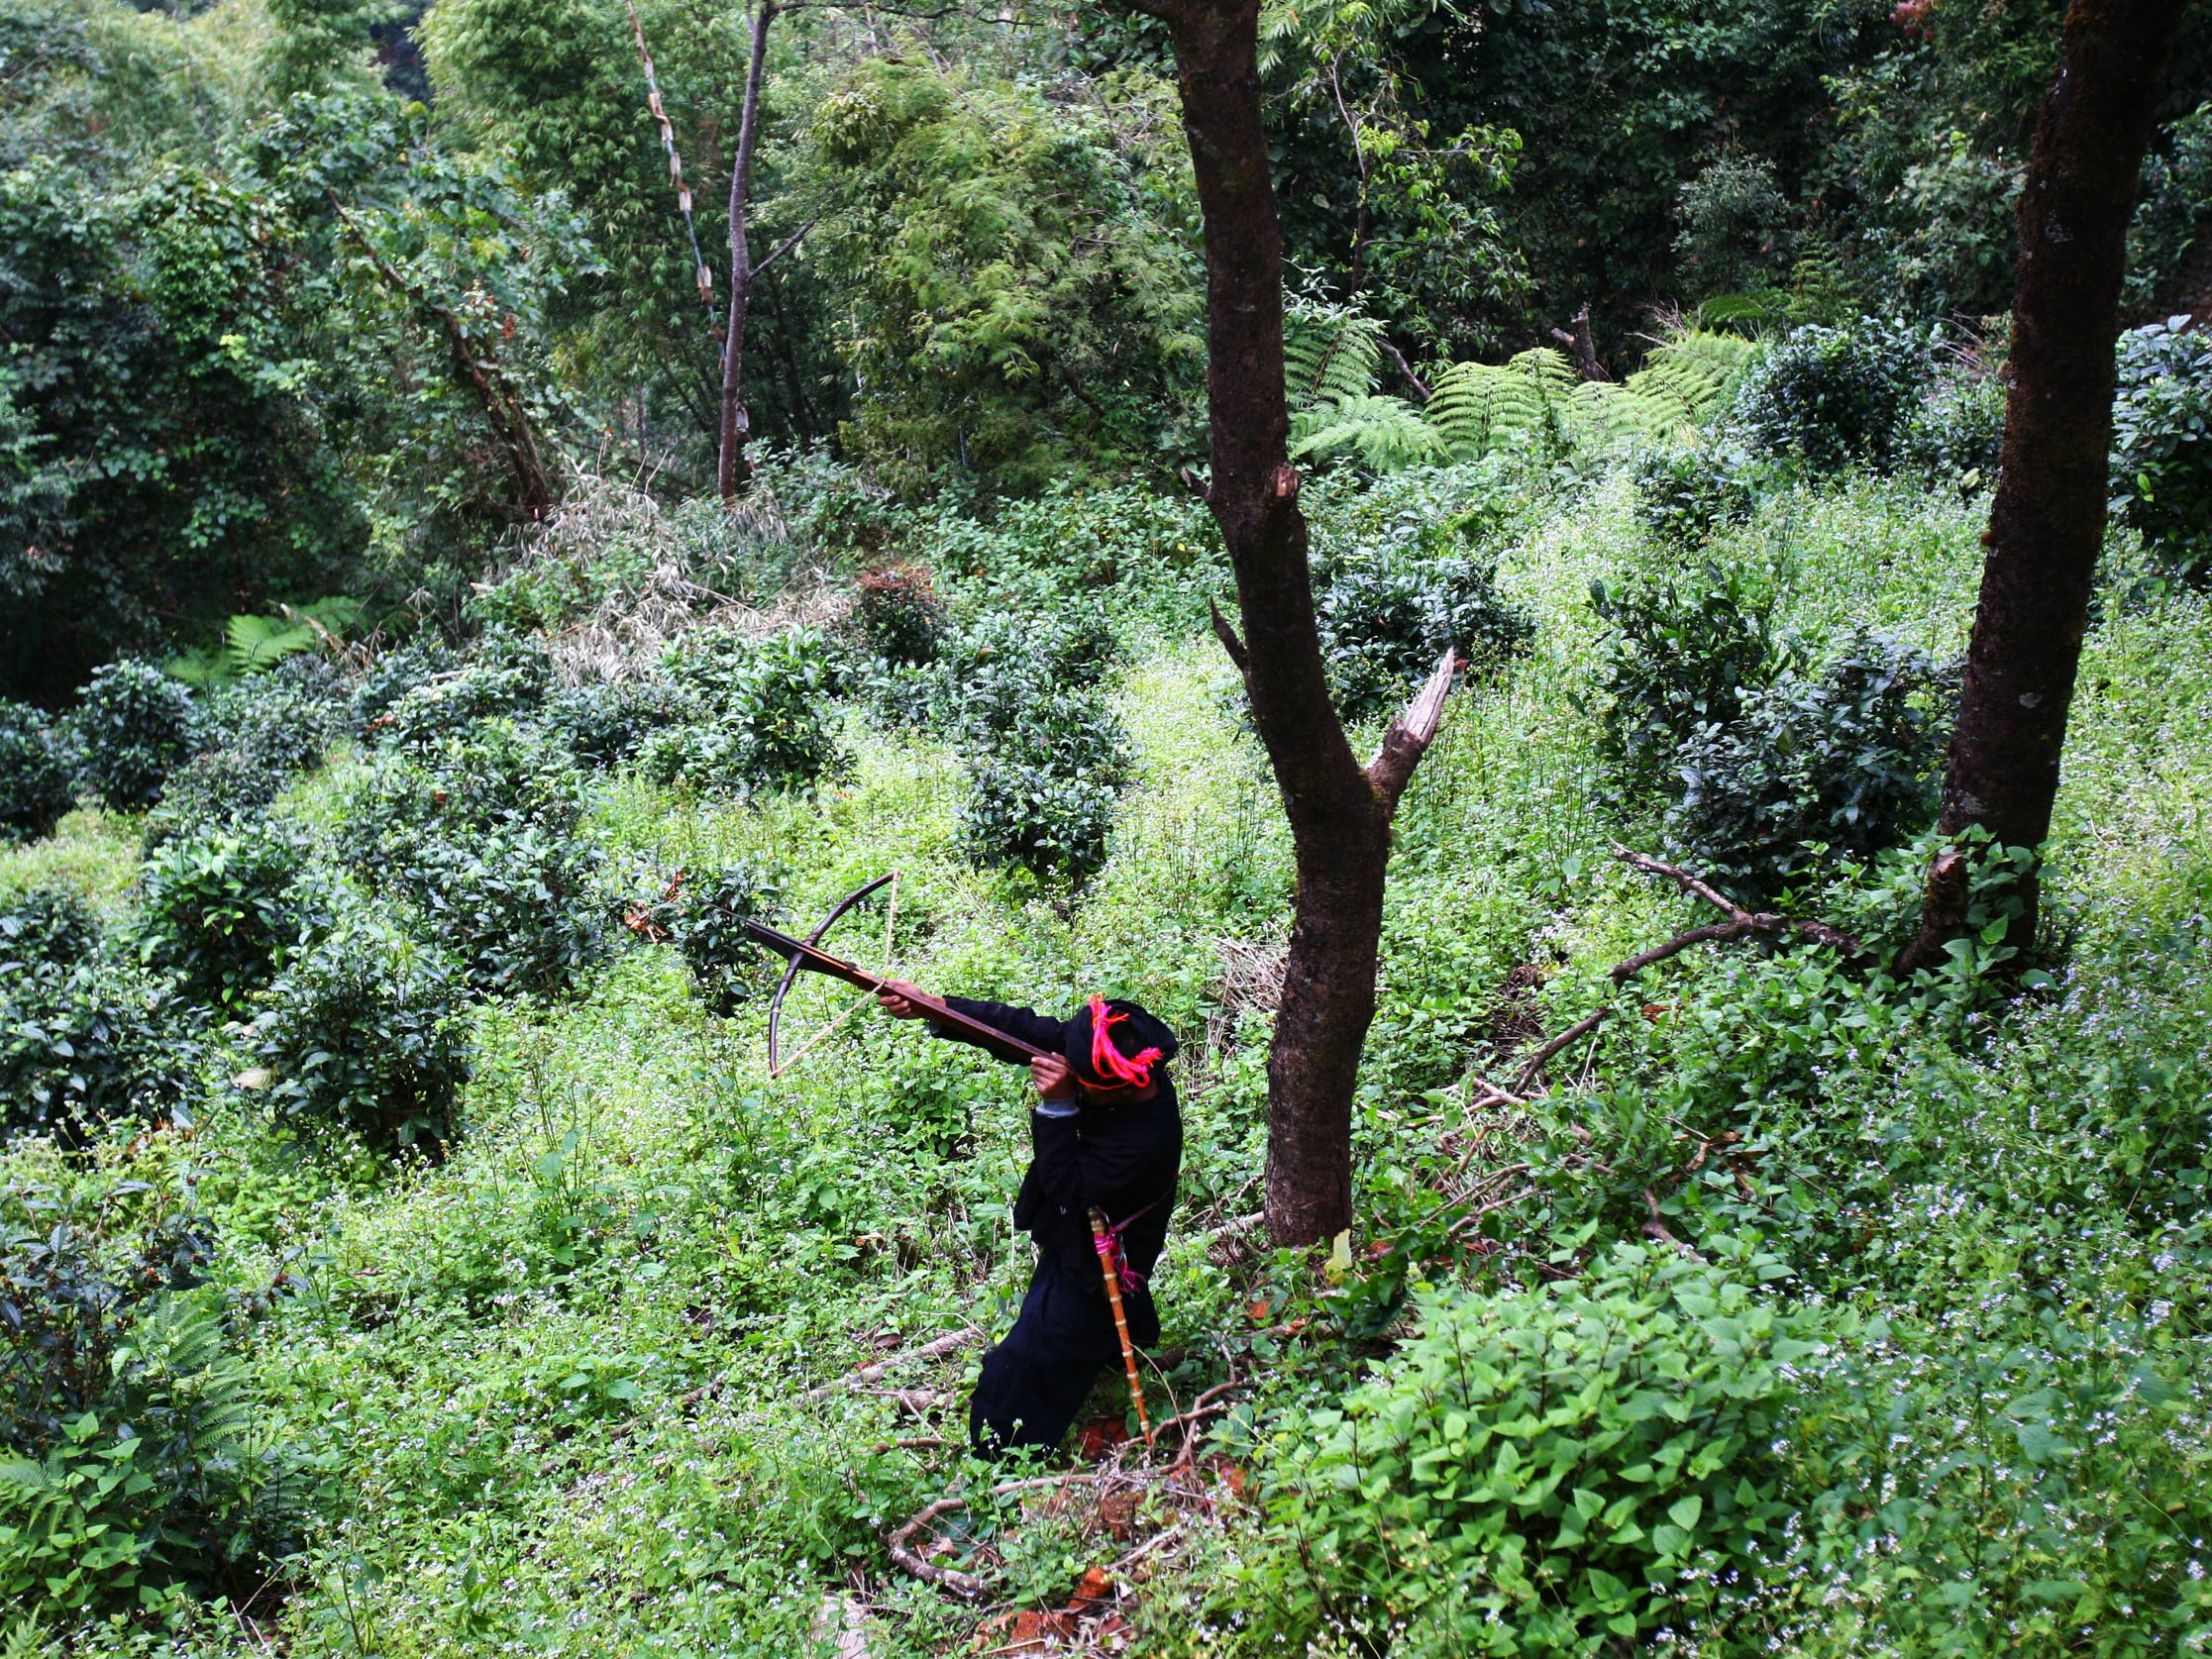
(763, 719)
(1388, 612)
(1956, 433)
(509, 684)
(897, 617)
(36, 774)
(137, 1457)
(256, 736)
(1829, 397)
(2162, 444)
(1813, 769)
(607, 724)
(703, 914)
(1680, 657)
(362, 1030)
(1686, 498)
(134, 727)
(223, 908)
(393, 674)
(88, 1032)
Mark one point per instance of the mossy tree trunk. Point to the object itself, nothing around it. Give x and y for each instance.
(2047, 523)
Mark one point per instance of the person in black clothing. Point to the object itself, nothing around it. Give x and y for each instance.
(1105, 1132)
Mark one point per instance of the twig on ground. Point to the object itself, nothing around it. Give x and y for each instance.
(937, 1348)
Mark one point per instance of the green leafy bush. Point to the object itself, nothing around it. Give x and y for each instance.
(1388, 611)
(1053, 822)
(2162, 443)
(134, 727)
(36, 774)
(394, 674)
(704, 915)
(897, 617)
(1678, 658)
(255, 736)
(606, 724)
(85, 1033)
(1815, 769)
(361, 1031)
(502, 679)
(1958, 434)
(1547, 1471)
(1830, 397)
(223, 908)
(137, 1456)
(1686, 498)
(764, 718)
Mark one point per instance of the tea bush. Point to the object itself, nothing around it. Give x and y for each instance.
(899, 617)
(134, 727)
(442, 711)
(1686, 498)
(1813, 769)
(1828, 397)
(90, 1033)
(395, 672)
(1957, 434)
(2162, 443)
(136, 1455)
(704, 917)
(256, 735)
(607, 724)
(518, 906)
(763, 721)
(361, 1031)
(222, 909)
(1677, 659)
(1053, 823)
(1545, 1471)
(1388, 611)
(36, 774)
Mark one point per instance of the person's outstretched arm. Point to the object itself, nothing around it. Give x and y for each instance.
(902, 999)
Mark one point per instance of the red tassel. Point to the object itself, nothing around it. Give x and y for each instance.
(1106, 1061)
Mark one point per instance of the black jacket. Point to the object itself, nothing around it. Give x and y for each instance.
(1125, 1159)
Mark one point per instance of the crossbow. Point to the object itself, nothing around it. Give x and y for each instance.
(808, 955)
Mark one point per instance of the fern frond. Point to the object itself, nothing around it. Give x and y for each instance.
(1330, 352)
(1385, 433)
(262, 642)
(1478, 407)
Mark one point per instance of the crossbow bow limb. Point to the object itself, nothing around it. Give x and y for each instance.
(807, 954)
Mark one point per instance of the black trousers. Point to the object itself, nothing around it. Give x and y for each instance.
(1034, 1381)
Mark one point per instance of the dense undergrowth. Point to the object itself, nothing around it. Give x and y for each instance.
(408, 1252)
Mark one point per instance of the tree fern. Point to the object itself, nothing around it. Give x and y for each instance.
(1478, 407)
(1386, 433)
(1330, 352)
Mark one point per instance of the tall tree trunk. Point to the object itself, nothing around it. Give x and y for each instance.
(2047, 523)
(1339, 811)
(731, 473)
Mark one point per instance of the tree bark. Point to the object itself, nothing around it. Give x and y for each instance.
(731, 471)
(1339, 811)
(2047, 522)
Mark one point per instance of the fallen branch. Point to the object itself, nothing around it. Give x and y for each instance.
(967, 1586)
(1741, 924)
(934, 1349)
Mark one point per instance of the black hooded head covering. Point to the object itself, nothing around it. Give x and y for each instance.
(1138, 1040)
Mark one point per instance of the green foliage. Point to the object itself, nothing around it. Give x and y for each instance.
(37, 772)
(605, 725)
(1010, 274)
(898, 618)
(1734, 225)
(1830, 396)
(1551, 1469)
(1686, 498)
(705, 919)
(221, 910)
(134, 727)
(254, 738)
(1390, 607)
(760, 717)
(2162, 444)
(1813, 769)
(360, 1032)
(85, 1033)
(2164, 240)
(1958, 433)
(1682, 659)
(442, 711)
(137, 1454)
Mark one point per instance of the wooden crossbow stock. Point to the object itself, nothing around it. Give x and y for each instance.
(807, 953)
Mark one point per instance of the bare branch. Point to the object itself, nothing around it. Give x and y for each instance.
(1227, 634)
(1411, 733)
(787, 245)
(1420, 386)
